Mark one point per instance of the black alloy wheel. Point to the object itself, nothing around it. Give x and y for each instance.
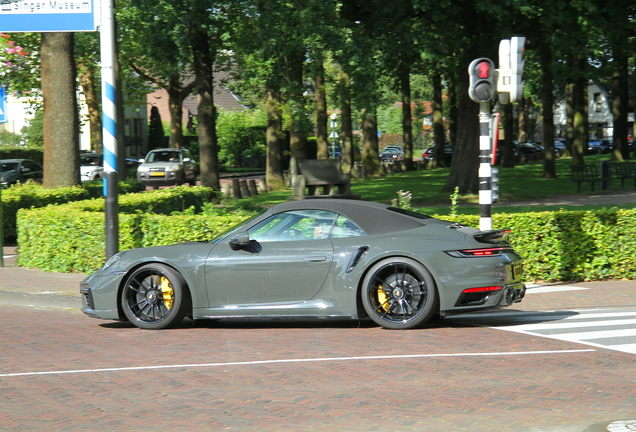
(155, 297)
(399, 294)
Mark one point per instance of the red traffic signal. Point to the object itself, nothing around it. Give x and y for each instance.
(482, 80)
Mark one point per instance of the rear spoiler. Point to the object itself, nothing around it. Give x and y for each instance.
(491, 236)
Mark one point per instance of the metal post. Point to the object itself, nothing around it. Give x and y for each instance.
(485, 171)
(109, 121)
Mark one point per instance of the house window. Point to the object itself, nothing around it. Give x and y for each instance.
(598, 102)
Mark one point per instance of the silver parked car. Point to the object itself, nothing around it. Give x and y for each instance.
(327, 258)
(167, 167)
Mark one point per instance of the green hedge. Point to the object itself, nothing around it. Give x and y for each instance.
(70, 237)
(556, 246)
(21, 153)
(571, 245)
(30, 195)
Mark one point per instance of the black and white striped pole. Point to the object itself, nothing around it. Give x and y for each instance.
(481, 90)
(485, 167)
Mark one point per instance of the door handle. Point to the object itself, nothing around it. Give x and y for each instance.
(315, 259)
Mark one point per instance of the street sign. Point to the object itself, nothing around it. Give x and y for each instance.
(18, 16)
(3, 106)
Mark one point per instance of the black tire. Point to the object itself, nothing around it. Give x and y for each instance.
(399, 294)
(155, 297)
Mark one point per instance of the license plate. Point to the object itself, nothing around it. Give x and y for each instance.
(157, 174)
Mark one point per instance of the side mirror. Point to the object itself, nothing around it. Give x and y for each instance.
(187, 159)
(141, 160)
(239, 241)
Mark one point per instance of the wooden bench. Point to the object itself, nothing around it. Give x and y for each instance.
(319, 178)
(587, 173)
(624, 170)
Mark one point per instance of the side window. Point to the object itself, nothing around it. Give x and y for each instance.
(294, 226)
(345, 228)
(186, 154)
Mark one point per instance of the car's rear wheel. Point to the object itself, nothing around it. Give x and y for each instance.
(399, 293)
(155, 297)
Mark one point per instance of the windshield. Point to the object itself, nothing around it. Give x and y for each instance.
(163, 156)
(9, 166)
(90, 160)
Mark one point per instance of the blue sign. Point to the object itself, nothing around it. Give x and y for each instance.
(47, 16)
(3, 107)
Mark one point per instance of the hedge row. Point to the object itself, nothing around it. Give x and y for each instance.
(556, 246)
(571, 245)
(31, 195)
(55, 239)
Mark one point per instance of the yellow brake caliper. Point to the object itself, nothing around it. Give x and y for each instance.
(382, 298)
(167, 292)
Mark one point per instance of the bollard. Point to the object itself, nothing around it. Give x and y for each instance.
(251, 185)
(606, 175)
(245, 193)
(236, 189)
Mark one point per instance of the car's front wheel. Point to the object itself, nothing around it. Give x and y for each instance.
(399, 293)
(155, 297)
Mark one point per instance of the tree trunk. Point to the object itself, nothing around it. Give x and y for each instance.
(346, 128)
(61, 120)
(322, 136)
(176, 95)
(569, 118)
(547, 112)
(508, 150)
(452, 112)
(438, 122)
(620, 98)
(579, 142)
(86, 76)
(206, 116)
(407, 121)
(522, 120)
(370, 159)
(274, 164)
(465, 164)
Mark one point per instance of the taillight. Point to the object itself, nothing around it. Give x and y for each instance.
(481, 289)
(485, 252)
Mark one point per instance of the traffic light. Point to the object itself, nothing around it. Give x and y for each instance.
(482, 80)
(494, 184)
(510, 72)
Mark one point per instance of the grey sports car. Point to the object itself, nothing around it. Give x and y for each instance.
(325, 258)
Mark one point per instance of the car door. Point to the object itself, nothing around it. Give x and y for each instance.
(189, 167)
(287, 261)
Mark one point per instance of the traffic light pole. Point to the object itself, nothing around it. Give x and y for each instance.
(485, 167)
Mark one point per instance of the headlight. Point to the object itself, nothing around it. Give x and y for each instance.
(114, 259)
(175, 168)
(142, 168)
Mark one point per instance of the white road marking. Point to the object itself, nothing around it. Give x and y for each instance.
(309, 360)
(537, 289)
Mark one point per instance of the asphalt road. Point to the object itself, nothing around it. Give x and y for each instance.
(63, 371)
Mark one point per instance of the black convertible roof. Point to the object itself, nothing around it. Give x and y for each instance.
(373, 218)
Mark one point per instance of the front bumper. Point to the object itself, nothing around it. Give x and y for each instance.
(100, 295)
(160, 178)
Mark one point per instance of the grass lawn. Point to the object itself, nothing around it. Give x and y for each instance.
(521, 183)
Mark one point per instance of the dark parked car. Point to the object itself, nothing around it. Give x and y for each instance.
(529, 148)
(14, 171)
(327, 258)
(448, 154)
(599, 146)
(167, 167)
(391, 154)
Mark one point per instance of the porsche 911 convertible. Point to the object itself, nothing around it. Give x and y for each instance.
(315, 258)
